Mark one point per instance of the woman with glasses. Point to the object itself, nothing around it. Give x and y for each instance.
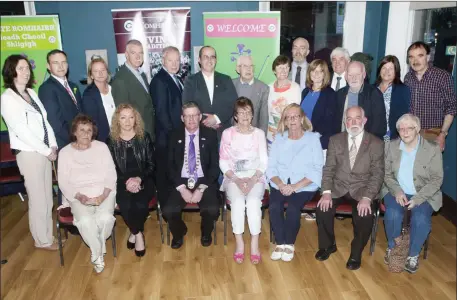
(413, 178)
(295, 172)
(243, 161)
(97, 100)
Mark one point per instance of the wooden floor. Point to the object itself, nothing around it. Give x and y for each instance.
(194, 272)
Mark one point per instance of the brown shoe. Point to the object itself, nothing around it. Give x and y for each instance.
(52, 247)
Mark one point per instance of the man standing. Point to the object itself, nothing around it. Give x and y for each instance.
(364, 95)
(212, 91)
(433, 98)
(300, 50)
(253, 89)
(340, 59)
(193, 169)
(130, 85)
(166, 92)
(353, 173)
(61, 98)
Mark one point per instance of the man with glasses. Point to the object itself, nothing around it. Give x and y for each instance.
(193, 170)
(212, 91)
(253, 89)
(61, 98)
(300, 50)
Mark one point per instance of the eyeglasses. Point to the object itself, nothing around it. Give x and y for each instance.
(206, 57)
(247, 66)
(406, 129)
(191, 117)
(293, 118)
(244, 113)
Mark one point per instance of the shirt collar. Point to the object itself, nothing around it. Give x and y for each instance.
(249, 83)
(62, 81)
(188, 133)
(138, 71)
(172, 75)
(208, 77)
(402, 146)
(302, 65)
(335, 75)
(359, 92)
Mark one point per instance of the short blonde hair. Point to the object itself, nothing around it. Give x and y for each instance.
(411, 118)
(313, 66)
(115, 132)
(91, 64)
(306, 124)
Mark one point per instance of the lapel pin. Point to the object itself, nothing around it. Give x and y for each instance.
(217, 85)
(179, 141)
(203, 145)
(203, 139)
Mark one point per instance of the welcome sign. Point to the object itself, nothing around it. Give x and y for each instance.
(234, 34)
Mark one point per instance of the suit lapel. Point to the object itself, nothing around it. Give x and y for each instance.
(345, 144)
(136, 81)
(180, 146)
(363, 147)
(171, 81)
(63, 90)
(201, 82)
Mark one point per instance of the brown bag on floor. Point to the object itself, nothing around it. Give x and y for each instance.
(399, 253)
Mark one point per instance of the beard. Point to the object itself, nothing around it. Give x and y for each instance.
(354, 130)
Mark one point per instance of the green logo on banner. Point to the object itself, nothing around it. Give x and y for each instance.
(450, 50)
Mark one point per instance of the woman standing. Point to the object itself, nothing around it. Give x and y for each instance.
(396, 95)
(32, 140)
(97, 100)
(132, 151)
(243, 161)
(282, 93)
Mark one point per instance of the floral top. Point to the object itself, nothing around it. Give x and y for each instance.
(244, 154)
(387, 95)
(278, 99)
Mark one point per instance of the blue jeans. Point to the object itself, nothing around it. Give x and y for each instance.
(421, 223)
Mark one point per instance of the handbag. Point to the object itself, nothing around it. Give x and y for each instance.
(399, 253)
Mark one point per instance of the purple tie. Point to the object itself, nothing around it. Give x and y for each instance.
(191, 156)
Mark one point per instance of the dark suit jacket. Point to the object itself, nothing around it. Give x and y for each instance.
(372, 101)
(166, 98)
(399, 105)
(127, 89)
(209, 156)
(323, 117)
(367, 175)
(92, 105)
(60, 107)
(223, 99)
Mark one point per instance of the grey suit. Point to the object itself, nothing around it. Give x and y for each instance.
(127, 89)
(258, 94)
(427, 172)
(223, 98)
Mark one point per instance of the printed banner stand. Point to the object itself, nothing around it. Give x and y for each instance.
(32, 37)
(234, 34)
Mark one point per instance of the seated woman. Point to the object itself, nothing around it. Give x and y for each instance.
(87, 179)
(132, 151)
(413, 178)
(243, 161)
(295, 173)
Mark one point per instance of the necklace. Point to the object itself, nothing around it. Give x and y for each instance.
(249, 130)
(193, 177)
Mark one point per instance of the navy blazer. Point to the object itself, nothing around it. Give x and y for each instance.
(166, 97)
(92, 105)
(399, 105)
(60, 107)
(323, 117)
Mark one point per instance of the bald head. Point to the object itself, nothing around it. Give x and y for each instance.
(245, 67)
(300, 49)
(355, 75)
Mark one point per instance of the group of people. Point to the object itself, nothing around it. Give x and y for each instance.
(309, 131)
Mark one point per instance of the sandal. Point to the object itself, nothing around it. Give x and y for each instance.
(277, 253)
(255, 259)
(238, 257)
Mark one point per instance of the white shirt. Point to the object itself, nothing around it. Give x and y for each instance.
(184, 172)
(343, 82)
(178, 83)
(108, 104)
(249, 83)
(304, 68)
(210, 86)
(62, 82)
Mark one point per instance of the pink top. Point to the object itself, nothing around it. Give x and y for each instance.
(244, 154)
(86, 171)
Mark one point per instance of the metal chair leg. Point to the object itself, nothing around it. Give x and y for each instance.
(66, 233)
(168, 234)
(426, 247)
(59, 239)
(374, 232)
(113, 240)
(159, 217)
(215, 233)
(272, 238)
(225, 224)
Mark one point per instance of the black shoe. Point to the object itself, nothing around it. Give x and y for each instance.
(177, 243)
(206, 240)
(141, 253)
(130, 245)
(324, 254)
(353, 264)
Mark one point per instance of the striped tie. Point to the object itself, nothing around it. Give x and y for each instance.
(352, 152)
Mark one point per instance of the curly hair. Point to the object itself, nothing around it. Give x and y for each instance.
(82, 119)
(306, 124)
(115, 131)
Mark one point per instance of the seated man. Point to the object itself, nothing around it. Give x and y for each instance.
(353, 172)
(193, 170)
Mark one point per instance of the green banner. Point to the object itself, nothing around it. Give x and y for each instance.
(32, 37)
(234, 34)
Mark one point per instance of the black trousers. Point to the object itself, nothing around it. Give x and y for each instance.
(163, 184)
(209, 211)
(362, 226)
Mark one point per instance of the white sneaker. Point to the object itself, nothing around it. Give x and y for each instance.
(99, 264)
(288, 253)
(277, 253)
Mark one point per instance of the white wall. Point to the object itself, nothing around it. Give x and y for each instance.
(353, 26)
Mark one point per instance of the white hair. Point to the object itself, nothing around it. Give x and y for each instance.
(238, 60)
(340, 51)
(359, 107)
(411, 118)
(169, 49)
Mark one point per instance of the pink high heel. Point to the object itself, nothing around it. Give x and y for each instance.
(255, 259)
(238, 257)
